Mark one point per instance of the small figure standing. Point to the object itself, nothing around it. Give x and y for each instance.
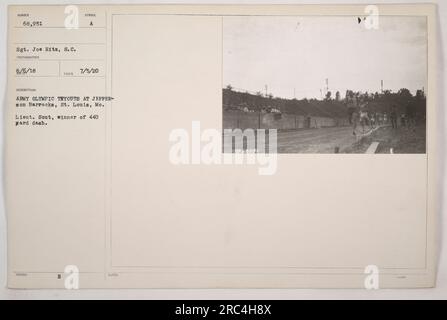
(364, 120)
(353, 111)
(410, 116)
(403, 120)
(393, 116)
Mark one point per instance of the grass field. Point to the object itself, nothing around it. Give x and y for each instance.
(400, 140)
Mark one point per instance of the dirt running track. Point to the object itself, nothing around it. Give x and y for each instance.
(322, 140)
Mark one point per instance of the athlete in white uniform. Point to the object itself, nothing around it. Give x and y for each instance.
(364, 119)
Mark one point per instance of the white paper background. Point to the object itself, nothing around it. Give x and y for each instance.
(440, 292)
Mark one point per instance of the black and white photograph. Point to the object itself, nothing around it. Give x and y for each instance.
(223, 155)
(339, 84)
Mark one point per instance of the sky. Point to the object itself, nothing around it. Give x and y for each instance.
(294, 55)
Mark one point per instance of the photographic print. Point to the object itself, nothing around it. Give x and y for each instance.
(338, 84)
(222, 146)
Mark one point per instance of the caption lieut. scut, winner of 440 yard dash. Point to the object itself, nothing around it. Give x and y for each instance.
(223, 310)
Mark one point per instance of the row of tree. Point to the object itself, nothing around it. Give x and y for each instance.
(337, 107)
